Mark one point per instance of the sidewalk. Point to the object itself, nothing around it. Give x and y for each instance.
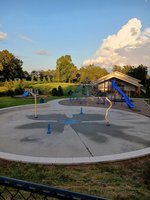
(142, 107)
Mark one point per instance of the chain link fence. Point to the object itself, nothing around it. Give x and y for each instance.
(13, 189)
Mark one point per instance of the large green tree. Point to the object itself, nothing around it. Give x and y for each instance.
(124, 69)
(91, 73)
(117, 68)
(66, 71)
(139, 72)
(10, 66)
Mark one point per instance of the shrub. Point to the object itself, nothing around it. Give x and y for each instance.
(19, 91)
(54, 92)
(60, 91)
(10, 93)
(3, 93)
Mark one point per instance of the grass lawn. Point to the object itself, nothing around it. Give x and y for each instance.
(11, 101)
(126, 180)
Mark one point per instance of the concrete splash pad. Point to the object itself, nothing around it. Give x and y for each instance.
(75, 138)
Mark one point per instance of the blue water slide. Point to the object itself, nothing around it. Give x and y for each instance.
(25, 94)
(126, 98)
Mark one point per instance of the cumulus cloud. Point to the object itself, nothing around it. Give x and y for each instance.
(42, 53)
(26, 38)
(3, 36)
(130, 45)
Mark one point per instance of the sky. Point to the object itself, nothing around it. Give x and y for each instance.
(100, 32)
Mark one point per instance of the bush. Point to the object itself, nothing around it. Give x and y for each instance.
(3, 93)
(54, 92)
(10, 93)
(19, 91)
(60, 91)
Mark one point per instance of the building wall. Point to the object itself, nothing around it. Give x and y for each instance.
(126, 87)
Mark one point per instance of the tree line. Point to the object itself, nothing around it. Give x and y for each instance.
(66, 71)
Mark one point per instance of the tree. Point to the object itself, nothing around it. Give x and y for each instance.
(139, 72)
(127, 69)
(27, 76)
(44, 80)
(147, 86)
(117, 68)
(60, 91)
(65, 70)
(54, 92)
(91, 73)
(10, 66)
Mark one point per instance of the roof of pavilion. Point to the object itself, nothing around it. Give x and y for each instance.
(120, 76)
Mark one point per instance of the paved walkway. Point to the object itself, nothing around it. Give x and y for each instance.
(75, 138)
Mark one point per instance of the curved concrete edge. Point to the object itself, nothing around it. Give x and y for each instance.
(75, 160)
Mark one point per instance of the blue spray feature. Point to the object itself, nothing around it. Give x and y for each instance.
(81, 111)
(49, 128)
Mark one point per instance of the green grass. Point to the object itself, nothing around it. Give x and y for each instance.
(47, 87)
(44, 88)
(128, 180)
(11, 101)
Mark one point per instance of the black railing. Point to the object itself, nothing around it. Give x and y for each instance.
(13, 189)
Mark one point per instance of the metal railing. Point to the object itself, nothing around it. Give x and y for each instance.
(13, 189)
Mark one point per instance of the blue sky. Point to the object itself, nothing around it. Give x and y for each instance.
(40, 31)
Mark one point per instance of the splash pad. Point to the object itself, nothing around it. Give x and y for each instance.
(75, 138)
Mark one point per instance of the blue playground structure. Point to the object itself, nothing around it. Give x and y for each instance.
(126, 98)
(25, 94)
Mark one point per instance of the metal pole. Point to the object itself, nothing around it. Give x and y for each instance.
(35, 107)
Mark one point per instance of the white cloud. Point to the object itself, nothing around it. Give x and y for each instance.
(26, 38)
(3, 36)
(42, 53)
(129, 45)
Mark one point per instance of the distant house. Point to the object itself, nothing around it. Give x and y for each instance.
(126, 83)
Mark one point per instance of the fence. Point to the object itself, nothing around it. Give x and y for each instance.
(13, 189)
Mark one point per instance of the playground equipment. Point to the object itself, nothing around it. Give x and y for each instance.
(82, 91)
(31, 92)
(128, 101)
(25, 94)
(35, 106)
(90, 92)
(106, 114)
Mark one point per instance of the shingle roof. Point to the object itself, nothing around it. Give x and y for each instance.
(119, 76)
